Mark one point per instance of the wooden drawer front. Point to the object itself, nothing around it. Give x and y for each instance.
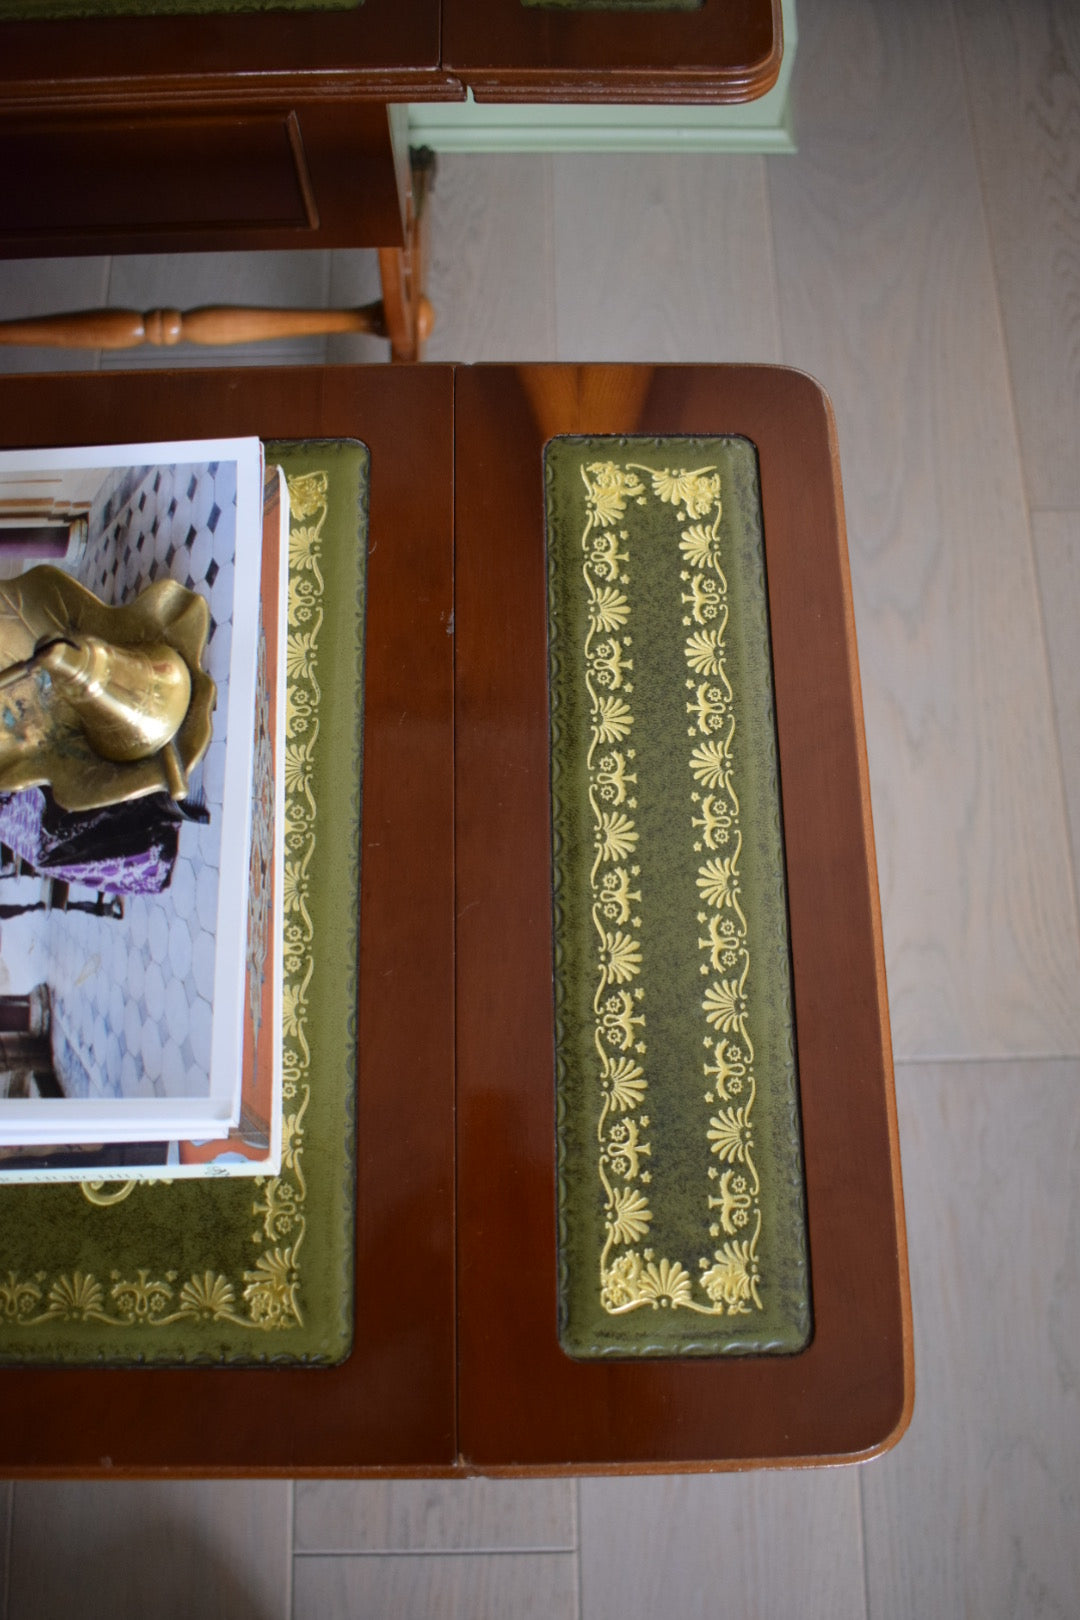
(184, 174)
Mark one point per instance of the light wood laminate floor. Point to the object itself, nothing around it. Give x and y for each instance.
(920, 256)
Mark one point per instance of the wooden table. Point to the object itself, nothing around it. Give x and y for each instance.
(289, 130)
(456, 1367)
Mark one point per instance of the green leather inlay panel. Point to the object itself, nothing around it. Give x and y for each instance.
(245, 1271)
(681, 1201)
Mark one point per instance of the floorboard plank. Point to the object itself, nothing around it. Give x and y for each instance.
(489, 272)
(975, 1512)
(663, 258)
(220, 1550)
(1057, 552)
(354, 280)
(887, 295)
(1023, 75)
(463, 1586)
(471, 1515)
(739, 1546)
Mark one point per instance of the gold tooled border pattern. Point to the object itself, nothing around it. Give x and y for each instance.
(630, 1275)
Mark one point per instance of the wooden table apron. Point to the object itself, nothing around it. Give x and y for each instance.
(227, 132)
(391, 1405)
(522, 1402)
(721, 52)
(382, 50)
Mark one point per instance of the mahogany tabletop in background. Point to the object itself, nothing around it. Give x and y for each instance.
(215, 133)
(725, 51)
(397, 50)
(391, 1405)
(524, 1404)
(382, 50)
(286, 129)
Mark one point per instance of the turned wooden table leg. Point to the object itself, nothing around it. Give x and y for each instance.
(407, 315)
(213, 325)
(404, 315)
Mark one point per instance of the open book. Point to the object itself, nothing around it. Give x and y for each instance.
(140, 939)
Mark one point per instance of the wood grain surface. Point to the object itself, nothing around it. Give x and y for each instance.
(392, 1403)
(168, 1549)
(522, 1401)
(663, 258)
(354, 279)
(510, 52)
(498, 1586)
(133, 173)
(404, 1515)
(491, 260)
(777, 1544)
(975, 1514)
(382, 50)
(1057, 551)
(183, 280)
(886, 290)
(1022, 69)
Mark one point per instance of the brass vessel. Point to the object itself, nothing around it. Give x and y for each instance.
(103, 704)
(131, 701)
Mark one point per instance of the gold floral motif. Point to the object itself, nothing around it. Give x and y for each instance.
(270, 1289)
(734, 1203)
(616, 838)
(725, 1006)
(711, 762)
(623, 1083)
(620, 959)
(629, 1215)
(616, 896)
(705, 651)
(141, 1300)
(307, 498)
(715, 820)
(732, 1282)
(728, 1282)
(79, 1297)
(273, 1289)
(729, 1135)
(18, 1299)
(209, 1298)
(608, 488)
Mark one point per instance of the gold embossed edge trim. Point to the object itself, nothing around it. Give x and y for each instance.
(631, 1276)
(270, 1289)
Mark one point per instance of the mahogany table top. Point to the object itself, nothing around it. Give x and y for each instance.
(456, 1366)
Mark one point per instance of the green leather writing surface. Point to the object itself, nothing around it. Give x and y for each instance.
(244, 1271)
(681, 1205)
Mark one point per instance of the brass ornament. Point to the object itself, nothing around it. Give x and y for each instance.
(102, 704)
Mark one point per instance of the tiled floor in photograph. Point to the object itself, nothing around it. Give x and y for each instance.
(132, 996)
